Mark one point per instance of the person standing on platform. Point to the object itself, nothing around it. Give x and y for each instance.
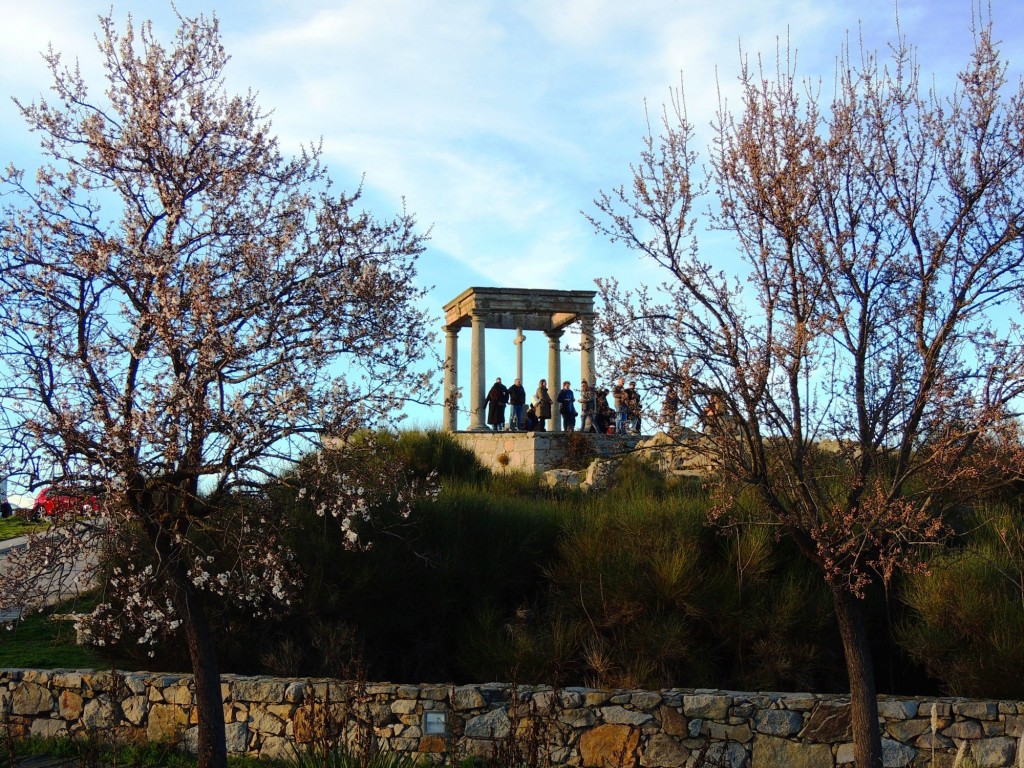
(542, 404)
(496, 399)
(588, 408)
(517, 399)
(567, 406)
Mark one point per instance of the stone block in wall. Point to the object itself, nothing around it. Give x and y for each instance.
(672, 698)
(136, 682)
(491, 725)
(467, 697)
(706, 705)
(778, 722)
(895, 709)
(31, 698)
(845, 754)
(276, 748)
(663, 751)
(403, 706)
(48, 729)
(102, 682)
(295, 693)
(907, 730)
(977, 710)
(993, 728)
(672, 721)
(262, 721)
(623, 716)
(134, 709)
(1014, 726)
(743, 710)
(434, 692)
(432, 745)
(728, 755)
(829, 723)
(897, 755)
(69, 705)
(964, 729)
(609, 744)
(259, 689)
(237, 737)
(993, 753)
(166, 723)
(941, 709)
(645, 701)
(928, 740)
(99, 713)
(798, 702)
(722, 732)
(179, 694)
(774, 752)
(67, 679)
(582, 717)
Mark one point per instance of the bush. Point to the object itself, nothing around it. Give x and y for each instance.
(967, 614)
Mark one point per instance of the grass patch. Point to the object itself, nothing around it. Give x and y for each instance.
(98, 749)
(38, 642)
(11, 527)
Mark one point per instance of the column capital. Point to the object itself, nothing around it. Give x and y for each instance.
(554, 335)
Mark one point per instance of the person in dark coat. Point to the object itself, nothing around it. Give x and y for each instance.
(566, 407)
(542, 404)
(496, 399)
(517, 399)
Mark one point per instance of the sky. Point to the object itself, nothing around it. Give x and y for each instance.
(496, 122)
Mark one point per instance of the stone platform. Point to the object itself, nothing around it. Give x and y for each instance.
(539, 451)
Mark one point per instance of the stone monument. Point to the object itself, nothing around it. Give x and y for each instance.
(517, 309)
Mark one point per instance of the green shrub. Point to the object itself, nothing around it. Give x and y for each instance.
(967, 613)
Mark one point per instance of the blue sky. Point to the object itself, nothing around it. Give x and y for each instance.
(496, 121)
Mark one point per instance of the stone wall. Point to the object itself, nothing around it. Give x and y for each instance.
(674, 728)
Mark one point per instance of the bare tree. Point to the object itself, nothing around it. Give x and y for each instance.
(864, 376)
(183, 311)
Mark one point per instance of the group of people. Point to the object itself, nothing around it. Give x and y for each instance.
(595, 413)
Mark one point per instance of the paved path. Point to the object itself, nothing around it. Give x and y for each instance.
(64, 582)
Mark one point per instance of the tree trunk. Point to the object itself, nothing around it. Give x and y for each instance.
(867, 739)
(212, 747)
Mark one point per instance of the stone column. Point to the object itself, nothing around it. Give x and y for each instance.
(451, 378)
(476, 375)
(554, 376)
(518, 341)
(588, 369)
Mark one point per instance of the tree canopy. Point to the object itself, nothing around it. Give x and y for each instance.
(863, 374)
(183, 310)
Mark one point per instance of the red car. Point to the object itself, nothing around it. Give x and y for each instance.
(53, 501)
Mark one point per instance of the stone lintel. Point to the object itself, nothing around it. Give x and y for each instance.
(511, 308)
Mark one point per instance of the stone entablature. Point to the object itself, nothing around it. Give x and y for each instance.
(267, 717)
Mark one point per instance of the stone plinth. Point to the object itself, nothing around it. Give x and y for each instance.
(537, 451)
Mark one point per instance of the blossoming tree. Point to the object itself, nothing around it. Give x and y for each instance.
(864, 379)
(184, 310)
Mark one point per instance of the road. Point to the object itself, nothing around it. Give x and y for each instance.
(62, 583)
